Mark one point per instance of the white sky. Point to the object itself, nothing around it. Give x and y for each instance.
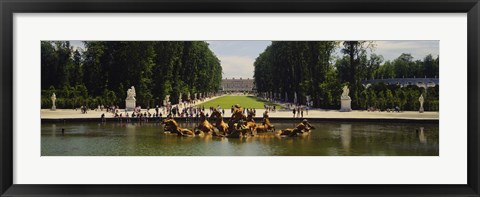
(237, 57)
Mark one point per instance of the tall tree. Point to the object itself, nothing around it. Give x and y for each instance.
(303, 65)
(77, 73)
(93, 76)
(48, 64)
(355, 52)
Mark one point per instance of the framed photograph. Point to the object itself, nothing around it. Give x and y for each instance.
(181, 98)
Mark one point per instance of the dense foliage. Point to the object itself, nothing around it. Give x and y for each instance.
(102, 73)
(301, 67)
(310, 69)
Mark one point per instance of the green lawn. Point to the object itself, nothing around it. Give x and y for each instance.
(226, 102)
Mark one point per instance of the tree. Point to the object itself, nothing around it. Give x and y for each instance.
(76, 74)
(304, 66)
(48, 64)
(371, 65)
(404, 66)
(106, 69)
(93, 72)
(355, 56)
(430, 67)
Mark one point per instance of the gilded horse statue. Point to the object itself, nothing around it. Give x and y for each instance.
(166, 127)
(173, 127)
(219, 123)
(266, 126)
(236, 125)
(250, 123)
(237, 114)
(301, 129)
(205, 126)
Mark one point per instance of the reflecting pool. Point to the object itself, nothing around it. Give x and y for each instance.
(328, 139)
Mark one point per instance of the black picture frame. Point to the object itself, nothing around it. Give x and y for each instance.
(9, 7)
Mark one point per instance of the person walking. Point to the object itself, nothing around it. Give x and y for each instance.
(294, 112)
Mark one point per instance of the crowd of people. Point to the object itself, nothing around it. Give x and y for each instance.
(188, 110)
(184, 110)
(85, 108)
(298, 111)
(137, 114)
(373, 109)
(271, 108)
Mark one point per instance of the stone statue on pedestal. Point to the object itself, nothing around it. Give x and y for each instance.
(131, 93)
(346, 101)
(130, 100)
(54, 98)
(345, 93)
(420, 99)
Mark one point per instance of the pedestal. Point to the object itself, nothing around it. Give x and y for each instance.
(54, 108)
(129, 104)
(346, 105)
(421, 109)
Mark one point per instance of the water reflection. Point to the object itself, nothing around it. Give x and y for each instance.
(329, 138)
(130, 128)
(421, 136)
(346, 135)
(54, 129)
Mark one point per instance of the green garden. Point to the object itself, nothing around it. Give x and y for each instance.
(101, 73)
(313, 69)
(226, 102)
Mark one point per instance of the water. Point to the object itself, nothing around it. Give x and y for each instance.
(328, 139)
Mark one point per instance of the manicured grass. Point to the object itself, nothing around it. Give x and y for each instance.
(226, 102)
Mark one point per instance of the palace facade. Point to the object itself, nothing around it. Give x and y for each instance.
(404, 82)
(237, 85)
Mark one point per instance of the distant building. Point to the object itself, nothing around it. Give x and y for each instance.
(237, 85)
(403, 82)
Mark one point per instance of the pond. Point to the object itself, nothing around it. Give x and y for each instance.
(328, 139)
